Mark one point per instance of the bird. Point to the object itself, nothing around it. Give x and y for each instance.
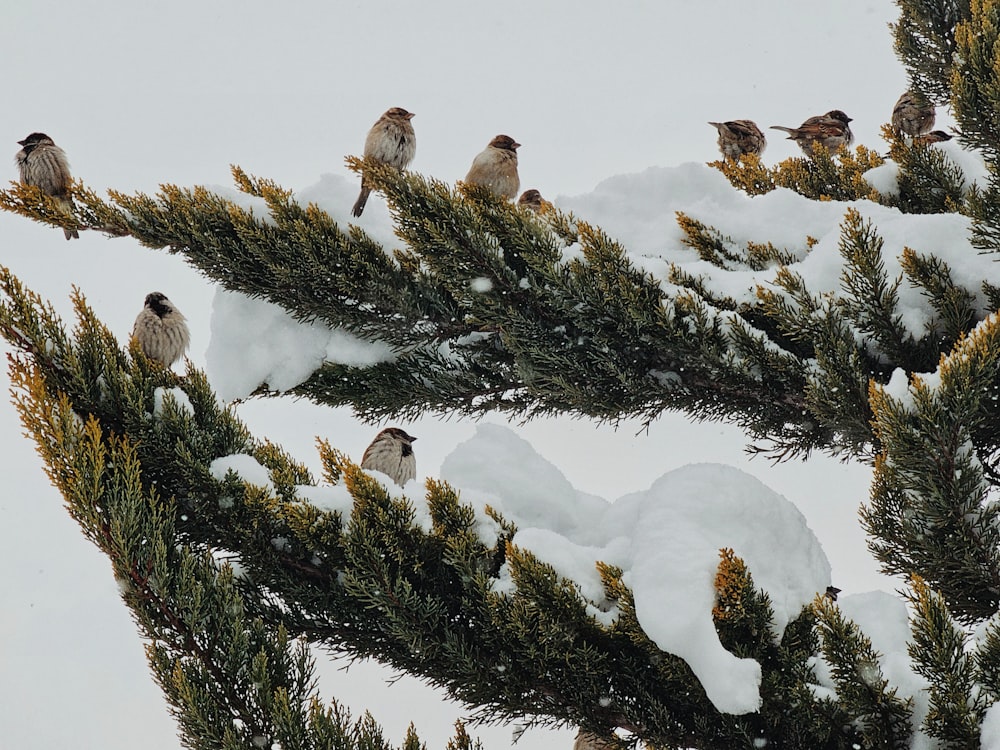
(590, 741)
(160, 330)
(391, 452)
(495, 167)
(934, 136)
(831, 130)
(831, 593)
(391, 141)
(912, 115)
(44, 165)
(738, 137)
(533, 200)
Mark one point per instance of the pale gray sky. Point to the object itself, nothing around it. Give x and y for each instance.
(142, 94)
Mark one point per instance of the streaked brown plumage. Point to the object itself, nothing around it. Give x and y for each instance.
(831, 130)
(738, 137)
(44, 165)
(391, 141)
(391, 452)
(161, 330)
(533, 200)
(912, 115)
(590, 741)
(935, 136)
(495, 167)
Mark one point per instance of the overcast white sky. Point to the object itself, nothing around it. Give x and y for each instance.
(140, 95)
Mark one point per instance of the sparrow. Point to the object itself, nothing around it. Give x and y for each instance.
(912, 115)
(390, 141)
(43, 164)
(391, 452)
(533, 200)
(830, 129)
(161, 330)
(590, 741)
(831, 593)
(495, 167)
(738, 137)
(935, 136)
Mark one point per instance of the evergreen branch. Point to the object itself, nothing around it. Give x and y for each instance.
(957, 707)
(925, 43)
(375, 585)
(930, 485)
(861, 687)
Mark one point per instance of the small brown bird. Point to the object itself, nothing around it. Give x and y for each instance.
(590, 741)
(495, 167)
(912, 115)
(532, 199)
(935, 136)
(738, 137)
(391, 141)
(831, 593)
(43, 164)
(830, 129)
(161, 330)
(391, 452)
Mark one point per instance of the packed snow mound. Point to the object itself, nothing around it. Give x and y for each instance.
(256, 342)
(666, 540)
(639, 211)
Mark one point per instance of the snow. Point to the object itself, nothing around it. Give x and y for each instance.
(882, 617)
(990, 734)
(180, 398)
(255, 342)
(666, 539)
(244, 467)
(616, 114)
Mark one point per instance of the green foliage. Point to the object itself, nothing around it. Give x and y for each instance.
(884, 718)
(489, 308)
(927, 180)
(939, 653)
(228, 650)
(826, 176)
(925, 43)
(937, 470)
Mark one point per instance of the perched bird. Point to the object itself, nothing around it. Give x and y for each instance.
(738, 137)
(935, 136)
(532, 199)
(495, 167)
(589, 741)
(830, 129)
(161, 330)
(43, 164)
(831, 593)
(391, 141)
(391, 452)
(912, 115)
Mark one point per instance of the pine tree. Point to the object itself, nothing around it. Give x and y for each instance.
(130, 445)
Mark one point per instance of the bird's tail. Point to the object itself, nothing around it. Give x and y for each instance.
(66, 206)
(359, 204)
(791, 131)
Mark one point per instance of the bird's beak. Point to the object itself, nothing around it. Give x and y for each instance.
(410, 115)
(517, 145)
(23, 143)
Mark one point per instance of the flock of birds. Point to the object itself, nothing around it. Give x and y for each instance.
(392, 141)
(161, 331)
(911, 117)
